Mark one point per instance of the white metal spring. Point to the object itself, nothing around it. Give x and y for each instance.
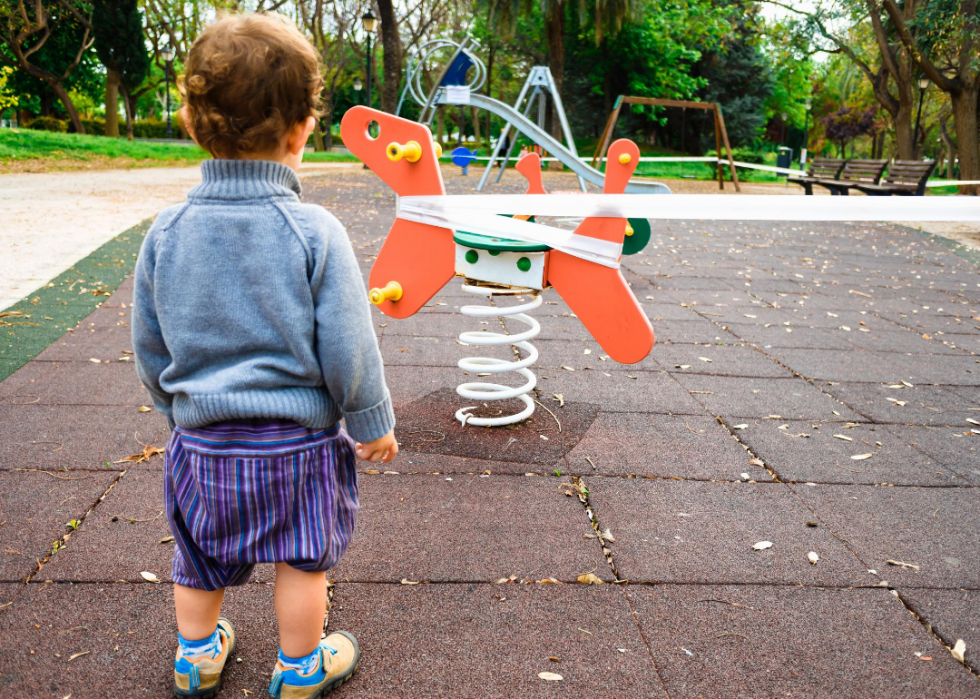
(483, 391)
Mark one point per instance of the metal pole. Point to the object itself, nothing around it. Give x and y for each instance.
(170, 131)
(369, 69)
(915, 138)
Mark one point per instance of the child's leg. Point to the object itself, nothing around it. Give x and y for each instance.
(197, 611)
(301, 607)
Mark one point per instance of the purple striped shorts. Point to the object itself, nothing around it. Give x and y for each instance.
(257, 491)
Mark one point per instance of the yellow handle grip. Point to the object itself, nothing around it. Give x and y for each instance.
(410, 151)
(392, 291)
(629, 229)
(438, 147)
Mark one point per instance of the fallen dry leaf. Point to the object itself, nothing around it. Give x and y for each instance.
(149, 577)
(959, 650)
(757, 462)
(166, 540)
(813, 557)
(762, 545)
(861, 457)
(740, 427)
(560, 398)
(95, 361)
(144, 408)
(845, 438)
(145, 455)
(902, 564)
(78, 655)
(590, 579)
(550, 676)
(406, 581)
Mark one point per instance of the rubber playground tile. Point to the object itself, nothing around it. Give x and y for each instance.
(618, 444)
(952, 615)
(719, 361)
(789, 337)
(837, 365)
(741, 311)
(469, 529)
(700, 532)
(955, 448)
(35, 508)
(493, 641)
(437, 324)
(930, 528)
(75, 383)
(621, 390)
(413, 462)
(903, 341)
(760, 398)
(553, 327)
(819, 452)
(409, 384)
(75, 437)
(433, 351)
(919, 405)
(430, 426)
(947, 369)
(737, 641)
(87, 343)
(8, 591)
(691, 331)
(126, 635)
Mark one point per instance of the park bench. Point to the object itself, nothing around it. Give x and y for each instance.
(820, 169)
(905, 177)
(855, 173)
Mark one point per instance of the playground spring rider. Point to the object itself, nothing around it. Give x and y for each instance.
(418, 259)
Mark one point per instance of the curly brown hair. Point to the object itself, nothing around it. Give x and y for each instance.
(249, 79)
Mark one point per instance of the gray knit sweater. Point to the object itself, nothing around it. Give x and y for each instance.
(249, 304)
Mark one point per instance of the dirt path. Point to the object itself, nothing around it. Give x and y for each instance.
(51, 220)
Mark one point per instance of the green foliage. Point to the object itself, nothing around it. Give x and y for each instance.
(744, 155)
(94, 126)
(24, 144)
(740, 77)
(118, 33)
(48, 124)
(7, 97)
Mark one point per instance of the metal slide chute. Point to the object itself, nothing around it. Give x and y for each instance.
(558, 150)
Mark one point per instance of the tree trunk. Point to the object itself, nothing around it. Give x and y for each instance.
(112, 80)
(128, 103)
(476, 125)
(318, 137)
(392, 56)
(76, 120)
(967, 142)
(440, 123)
(555, 28)
(950, 149)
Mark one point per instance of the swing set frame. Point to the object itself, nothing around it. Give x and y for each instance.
(721, 134)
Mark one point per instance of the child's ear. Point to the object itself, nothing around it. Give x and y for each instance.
(300, 135)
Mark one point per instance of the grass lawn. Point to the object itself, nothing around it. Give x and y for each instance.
(23, 150)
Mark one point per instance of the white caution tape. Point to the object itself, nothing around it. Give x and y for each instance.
(434, 211)
(485, 214)
(462, 208)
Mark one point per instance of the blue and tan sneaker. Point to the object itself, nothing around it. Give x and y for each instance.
(197, 675)
(337, 657)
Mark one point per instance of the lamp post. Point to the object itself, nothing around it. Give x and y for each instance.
(167, 54)
(923, 86)
(369, 22)
(806, 132)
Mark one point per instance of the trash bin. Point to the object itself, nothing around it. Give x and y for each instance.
(784, 157)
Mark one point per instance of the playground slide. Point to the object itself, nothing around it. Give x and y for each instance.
(554, 148)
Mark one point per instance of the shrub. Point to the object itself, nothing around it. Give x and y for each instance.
(744, 155)
(48, 124)
(94, 127)
(151, 128)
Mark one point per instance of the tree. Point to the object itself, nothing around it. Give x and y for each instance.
(25, 29)
(739, 78)
(117, 26)
(7, 98)
(943, 38)
(846, 124)
(392, 56)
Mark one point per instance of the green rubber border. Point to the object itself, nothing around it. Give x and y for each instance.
(67, 299)
(968, 253)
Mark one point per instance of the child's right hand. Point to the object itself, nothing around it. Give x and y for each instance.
(382, 449)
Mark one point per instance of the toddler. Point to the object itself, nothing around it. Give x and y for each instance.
(252, 332)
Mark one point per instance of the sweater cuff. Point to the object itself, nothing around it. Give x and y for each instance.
(371, 423)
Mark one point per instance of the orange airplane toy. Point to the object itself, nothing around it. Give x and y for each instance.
(418, 259)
